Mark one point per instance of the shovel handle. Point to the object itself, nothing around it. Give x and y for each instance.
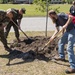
(49, 41)
(23, 33)
(20, 29)
(53, 37)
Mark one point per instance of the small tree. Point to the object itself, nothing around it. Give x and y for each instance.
(43, 6)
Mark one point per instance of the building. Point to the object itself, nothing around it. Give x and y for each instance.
(23, 1)
(56, 1)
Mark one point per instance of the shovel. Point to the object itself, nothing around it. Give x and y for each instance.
(28, 41)
(51, 39)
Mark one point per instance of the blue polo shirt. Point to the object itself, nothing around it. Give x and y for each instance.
(62, 19)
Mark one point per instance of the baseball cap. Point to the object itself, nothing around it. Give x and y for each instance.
(23, 10)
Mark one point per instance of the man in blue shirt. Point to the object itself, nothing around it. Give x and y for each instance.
(65, 21)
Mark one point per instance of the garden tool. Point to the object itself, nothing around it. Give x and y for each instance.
(51, 39)
(28, 41)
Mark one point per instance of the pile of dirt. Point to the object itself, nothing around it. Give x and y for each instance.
(33, 50)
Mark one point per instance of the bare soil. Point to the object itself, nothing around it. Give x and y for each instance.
(29, 58)
(31, 49)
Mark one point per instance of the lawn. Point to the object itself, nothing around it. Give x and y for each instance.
(36, 67)
(62, 7)
(31, 9)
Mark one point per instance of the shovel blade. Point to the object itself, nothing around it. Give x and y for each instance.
(28, 41)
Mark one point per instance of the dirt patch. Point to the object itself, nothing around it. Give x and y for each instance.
(33, 50)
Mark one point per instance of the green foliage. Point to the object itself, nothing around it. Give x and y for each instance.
(0, 1)
(6, 1)
(43, 5)
(69, 1)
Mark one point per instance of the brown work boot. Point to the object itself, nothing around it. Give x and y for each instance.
(70, 70)
(59, 59)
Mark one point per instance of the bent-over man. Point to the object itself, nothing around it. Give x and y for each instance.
(17, 16)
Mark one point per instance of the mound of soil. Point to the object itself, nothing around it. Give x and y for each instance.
(33, 49)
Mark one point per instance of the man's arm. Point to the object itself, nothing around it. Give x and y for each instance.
(70, 18)
(56, 31)
(19, 22)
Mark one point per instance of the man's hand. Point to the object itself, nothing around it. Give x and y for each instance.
(64, 27)
(70, 18)
(51, 39)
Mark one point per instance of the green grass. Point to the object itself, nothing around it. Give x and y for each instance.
(63, 7)
(31, 9)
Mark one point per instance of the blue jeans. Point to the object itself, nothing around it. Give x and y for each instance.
(68, 37)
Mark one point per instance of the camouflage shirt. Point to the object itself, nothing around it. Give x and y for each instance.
(16, 14)
(3, 18)
(2, 15)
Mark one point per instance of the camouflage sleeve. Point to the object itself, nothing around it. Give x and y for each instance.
(6, 21)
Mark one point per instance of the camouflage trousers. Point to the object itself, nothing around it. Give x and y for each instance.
(8, 27)
(2, 38)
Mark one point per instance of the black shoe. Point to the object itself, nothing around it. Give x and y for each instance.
(8, 49)
(69, 71)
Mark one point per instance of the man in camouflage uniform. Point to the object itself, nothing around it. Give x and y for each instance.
(17, 16)
(4, 19)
